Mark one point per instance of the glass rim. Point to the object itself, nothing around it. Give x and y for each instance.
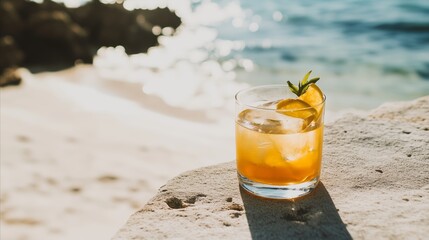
(249, 106)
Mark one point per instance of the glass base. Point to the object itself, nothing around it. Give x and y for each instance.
(276, 191)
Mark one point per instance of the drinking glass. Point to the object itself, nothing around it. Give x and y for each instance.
(278, 152)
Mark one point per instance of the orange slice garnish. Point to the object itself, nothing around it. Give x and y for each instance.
(314, 97)
(298, 109)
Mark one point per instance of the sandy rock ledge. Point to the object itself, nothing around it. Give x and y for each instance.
(375, 185)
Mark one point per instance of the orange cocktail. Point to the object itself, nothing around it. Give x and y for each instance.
(279, 140)
(279, 158)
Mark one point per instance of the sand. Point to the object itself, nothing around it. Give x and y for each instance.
(80, 154)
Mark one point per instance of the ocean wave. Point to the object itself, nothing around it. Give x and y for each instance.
(414, 8)
(405, 27)
(424, 72)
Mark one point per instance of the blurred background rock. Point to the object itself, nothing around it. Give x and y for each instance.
(49, 35)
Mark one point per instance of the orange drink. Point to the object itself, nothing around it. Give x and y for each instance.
(279, 140)
(279, 158)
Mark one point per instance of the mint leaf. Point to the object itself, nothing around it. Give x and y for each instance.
(304, 80)
(293, 88)
(303, 85)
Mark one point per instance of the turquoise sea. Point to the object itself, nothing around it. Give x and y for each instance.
(366, 52)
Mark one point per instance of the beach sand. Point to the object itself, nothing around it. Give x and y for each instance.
(80, 154)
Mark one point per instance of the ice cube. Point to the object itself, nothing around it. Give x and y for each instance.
(294, 146)
(269, 121)
(269, 105)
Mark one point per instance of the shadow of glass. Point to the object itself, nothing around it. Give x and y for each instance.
(310, 217)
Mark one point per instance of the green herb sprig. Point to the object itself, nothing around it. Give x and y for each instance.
(303, 85)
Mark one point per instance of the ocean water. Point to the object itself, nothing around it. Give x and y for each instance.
(366, 52)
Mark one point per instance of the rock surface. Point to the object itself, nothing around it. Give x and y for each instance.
(375, 185)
